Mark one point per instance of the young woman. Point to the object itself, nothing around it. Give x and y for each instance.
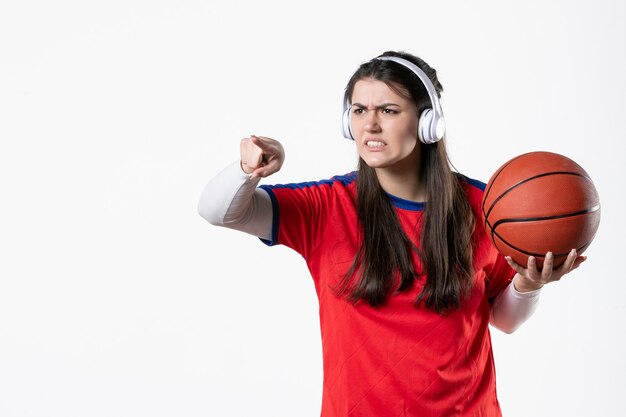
(406, 278)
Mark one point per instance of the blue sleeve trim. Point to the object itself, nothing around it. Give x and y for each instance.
(275, 217)
(474, 183)
(343, 179)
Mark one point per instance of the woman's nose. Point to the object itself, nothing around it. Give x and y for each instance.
(371, 121)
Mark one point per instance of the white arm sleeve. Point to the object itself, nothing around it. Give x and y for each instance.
(512, 308)
(232, 200)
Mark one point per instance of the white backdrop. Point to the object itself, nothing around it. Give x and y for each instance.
(116, 298)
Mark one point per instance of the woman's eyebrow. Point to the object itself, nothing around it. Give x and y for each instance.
(380, 106)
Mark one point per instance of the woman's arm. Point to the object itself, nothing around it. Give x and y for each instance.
(231, 198)
(512, 308)
(516, 303)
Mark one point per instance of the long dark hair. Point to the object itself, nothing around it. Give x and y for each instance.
(383, 263)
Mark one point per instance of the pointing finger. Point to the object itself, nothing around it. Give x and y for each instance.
(261, 142)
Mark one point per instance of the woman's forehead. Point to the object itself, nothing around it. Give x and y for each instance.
(373, 90)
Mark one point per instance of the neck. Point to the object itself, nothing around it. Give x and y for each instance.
(403, 183)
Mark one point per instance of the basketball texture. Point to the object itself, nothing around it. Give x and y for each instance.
(540, 202)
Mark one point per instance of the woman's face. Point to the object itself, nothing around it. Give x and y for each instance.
(384, 125)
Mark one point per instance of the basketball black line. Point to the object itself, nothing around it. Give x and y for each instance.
(493, 180)
(545, 174)
(557, 216)
(494, 233)
(539, 255)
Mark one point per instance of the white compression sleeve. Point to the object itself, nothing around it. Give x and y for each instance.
(231, 199)
(512, 308)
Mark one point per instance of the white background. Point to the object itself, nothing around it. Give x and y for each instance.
(117, 299)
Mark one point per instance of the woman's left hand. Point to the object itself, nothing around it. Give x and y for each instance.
(531, 278)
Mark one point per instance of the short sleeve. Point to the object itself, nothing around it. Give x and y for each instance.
(300, 213)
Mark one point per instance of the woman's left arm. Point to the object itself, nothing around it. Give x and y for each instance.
(516, 303)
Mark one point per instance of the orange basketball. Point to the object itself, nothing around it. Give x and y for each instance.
(539, 202)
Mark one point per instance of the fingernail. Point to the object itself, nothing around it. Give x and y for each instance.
(549, 255)
(573, 252)
(531, 259)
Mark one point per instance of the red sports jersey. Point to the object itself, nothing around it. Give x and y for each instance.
(396, 360)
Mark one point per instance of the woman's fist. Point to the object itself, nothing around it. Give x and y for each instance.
(261, 156)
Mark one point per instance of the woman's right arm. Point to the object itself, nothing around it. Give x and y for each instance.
(232, 199)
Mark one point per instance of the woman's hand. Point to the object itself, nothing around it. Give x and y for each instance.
(261, 156)
(530, 278)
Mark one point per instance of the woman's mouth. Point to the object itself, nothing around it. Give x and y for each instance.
(375, 145)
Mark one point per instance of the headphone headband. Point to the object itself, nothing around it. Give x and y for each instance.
(431, 124)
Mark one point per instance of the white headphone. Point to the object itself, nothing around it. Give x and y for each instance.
(431, 127)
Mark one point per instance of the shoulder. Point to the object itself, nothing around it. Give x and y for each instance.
(474, 189)
(471, 185)
(476, 185)
(337, 181)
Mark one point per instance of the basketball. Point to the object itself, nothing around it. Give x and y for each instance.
(540, 202)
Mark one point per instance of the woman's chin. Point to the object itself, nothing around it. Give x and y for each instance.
(374, 162)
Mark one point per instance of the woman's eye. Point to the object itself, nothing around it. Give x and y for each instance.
(357, 111)
(389, 111)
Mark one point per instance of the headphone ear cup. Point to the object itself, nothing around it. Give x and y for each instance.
(424, 127)
(431, 128)
(345, 124)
